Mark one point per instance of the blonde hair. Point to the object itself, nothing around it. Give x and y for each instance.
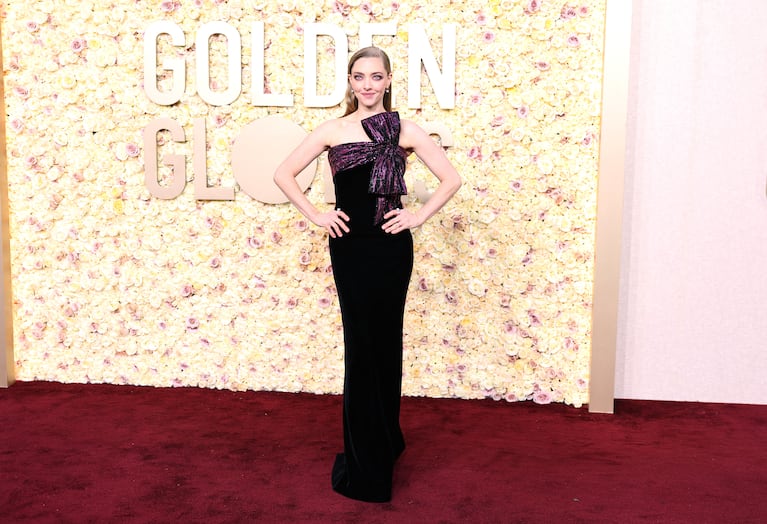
(367, 52)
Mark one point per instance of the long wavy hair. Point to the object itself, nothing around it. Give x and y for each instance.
(367, 52)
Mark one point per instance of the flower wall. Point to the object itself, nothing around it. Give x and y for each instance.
(114, 285)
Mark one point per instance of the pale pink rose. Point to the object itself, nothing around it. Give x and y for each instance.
(423, 285)
(324, 302)
(305, 259)
(542, 65)
(542, 397)
(571, 345)
(187, 291)
(533, 6)
(168, 6)
(78, 45)
(523, 111)
(192, 323)
(533, 318)
(366, 8)
(219, 120)
(32, 26)
(254, 243)
(498, 121)
(13, 64)
(132, 150)
(475, 99)
(583, 11)
(215, 262)
(475, 153)
(451, 297)
(573, 41)
(505, 300)
(302, 225)
(568, 12)
(30, 162)
(292, 302)
(276, 237)
(21, 92)
(516, 185)
(488, 37)
(481, 18)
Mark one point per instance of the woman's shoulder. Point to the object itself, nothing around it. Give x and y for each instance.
(411, 133)
(342, 130)
(329, 126)
(328, 131)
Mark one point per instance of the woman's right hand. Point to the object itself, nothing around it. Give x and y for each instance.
(334, 222)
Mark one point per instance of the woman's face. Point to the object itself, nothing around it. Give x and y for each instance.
(369, 81)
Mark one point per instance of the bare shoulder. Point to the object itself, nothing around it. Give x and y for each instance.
(327, 131)
(332, 124)
(344, 130)
(411, 135)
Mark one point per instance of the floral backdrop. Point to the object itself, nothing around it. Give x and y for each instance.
(113, 285)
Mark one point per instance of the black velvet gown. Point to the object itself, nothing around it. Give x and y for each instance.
(371, 270)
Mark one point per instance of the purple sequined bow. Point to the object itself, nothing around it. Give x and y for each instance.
(387, 180)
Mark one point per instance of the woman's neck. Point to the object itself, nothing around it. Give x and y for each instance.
(362, 112)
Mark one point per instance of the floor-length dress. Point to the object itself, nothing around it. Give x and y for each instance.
(371, 269)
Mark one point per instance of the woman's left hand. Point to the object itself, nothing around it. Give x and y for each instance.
(398, 220)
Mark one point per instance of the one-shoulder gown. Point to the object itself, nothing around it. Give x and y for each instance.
(372, 270)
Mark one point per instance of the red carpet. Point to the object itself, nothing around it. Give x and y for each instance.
(99, 453)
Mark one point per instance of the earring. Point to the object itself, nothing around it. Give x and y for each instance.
(387, 89)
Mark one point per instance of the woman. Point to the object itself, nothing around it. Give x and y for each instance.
(371, 251)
